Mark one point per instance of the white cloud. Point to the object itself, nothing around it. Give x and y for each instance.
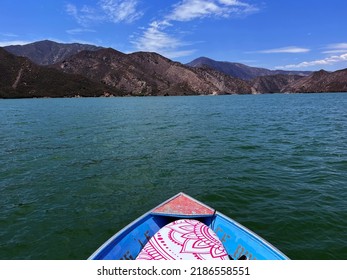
(336, 51)
(115, 11)
(242, 7)
(71, 10)
(291, 49)
(79, 31)
(85, 15)
(118, 11)
(321, 62)
(191, 9)
(8, 35)
(336, 48)
(187, 10)
(155, 39)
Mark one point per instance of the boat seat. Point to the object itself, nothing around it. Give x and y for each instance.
(184, 239)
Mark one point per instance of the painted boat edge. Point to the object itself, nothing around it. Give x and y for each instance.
(119, 233)
(130, 225)
(215, 214)
(254, 235)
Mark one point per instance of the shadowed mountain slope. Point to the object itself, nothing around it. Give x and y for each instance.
(239, 70)
(22, 78)
(48, 52)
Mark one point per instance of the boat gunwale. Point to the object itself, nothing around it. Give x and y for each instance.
(131, 224)
(215, 214)
(253, 235)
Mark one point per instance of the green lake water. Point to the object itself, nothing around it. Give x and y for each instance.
(75, 171)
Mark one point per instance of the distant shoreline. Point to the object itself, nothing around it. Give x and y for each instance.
(187, 95)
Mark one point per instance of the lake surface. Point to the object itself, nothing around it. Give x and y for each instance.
(75, 171)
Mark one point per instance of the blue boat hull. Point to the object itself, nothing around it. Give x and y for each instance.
(238, 241)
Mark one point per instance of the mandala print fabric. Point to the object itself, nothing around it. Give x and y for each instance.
(184, 240)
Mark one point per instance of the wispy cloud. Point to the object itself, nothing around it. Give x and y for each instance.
(191, 9)
(187, 10)
(11, 35)
(79, 31)
(115, 11)
(320, 62)
(160, 37)
(85, 15)
(337, 53)
(155, 39)
(118, 11)
(290, 49)
(336, 48)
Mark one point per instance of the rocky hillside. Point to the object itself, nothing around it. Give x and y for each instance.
(239, 70)
(274, 83)
(48, 52)
(145, 73)
(321, 81)
(83, 70)
(21, 78)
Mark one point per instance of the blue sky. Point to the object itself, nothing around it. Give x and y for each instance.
(275, 34)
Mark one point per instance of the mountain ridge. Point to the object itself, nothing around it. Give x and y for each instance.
(146, 73)
(48, 52)
(82, 68)
(240, 70)
(320, 81)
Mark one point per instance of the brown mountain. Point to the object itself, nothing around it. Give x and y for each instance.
(22, 78)
(100, 71)
(273, 83)
(145, 73)
(321, 81)
(239, 70)
(48, 52)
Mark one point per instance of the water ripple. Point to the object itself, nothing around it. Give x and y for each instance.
(74, 171)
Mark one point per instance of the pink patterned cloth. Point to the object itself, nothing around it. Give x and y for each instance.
(184, 240)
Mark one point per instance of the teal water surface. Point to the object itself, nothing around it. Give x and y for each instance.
(75, 171)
